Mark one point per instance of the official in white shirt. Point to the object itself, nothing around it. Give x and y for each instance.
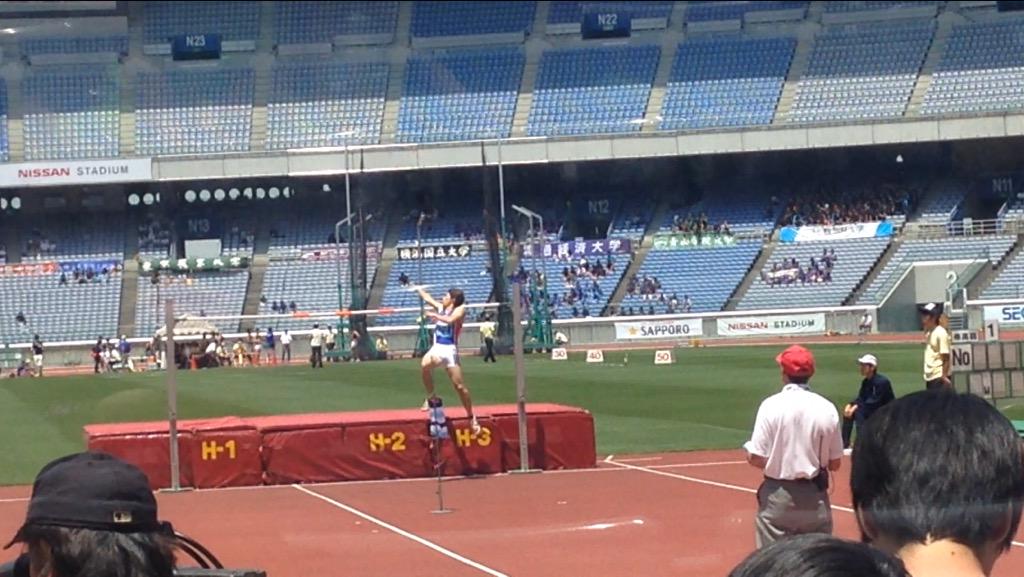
(796, 442)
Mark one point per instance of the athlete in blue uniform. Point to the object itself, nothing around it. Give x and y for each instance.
(448, 316)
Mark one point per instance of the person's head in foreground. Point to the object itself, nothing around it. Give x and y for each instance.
(819, 555)
(930, 315)
(93, 515)
(797, 364)
(938, 479)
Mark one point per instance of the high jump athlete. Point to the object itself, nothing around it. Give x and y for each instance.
(448, 317)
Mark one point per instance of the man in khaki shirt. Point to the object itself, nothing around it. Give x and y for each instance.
(487, 330)
(936, 350)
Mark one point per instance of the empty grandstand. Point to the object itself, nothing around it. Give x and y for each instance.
(72, 113)
(313, 22)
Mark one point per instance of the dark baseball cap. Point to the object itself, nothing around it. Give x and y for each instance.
(931, 309)
(92, 491)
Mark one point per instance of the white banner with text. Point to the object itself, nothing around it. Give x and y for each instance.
(666, 330)
(58, 172)
(793, 324)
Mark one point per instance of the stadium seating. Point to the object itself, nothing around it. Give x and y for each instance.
(707, 275)
(4, 142)
(471, 17)
(742, 212)
(993, 248)
(862, 71)
(294, 233)
(631, 220)
(72, 113)
(237, 20)
(1010, 282)
(304, 22)
(592, 90)
(562, 12)
(194, 112)
(839, 6)
(311, 284)
(99, 44)
(470, 274)
(55, 312)
(940, 207)
(460, 95)
(726, 82)
(593, 303)
(84, 237)
(711, 11)
(981, 70)
(451, 227)
(209, 293)
(328, 104)
(854, 259)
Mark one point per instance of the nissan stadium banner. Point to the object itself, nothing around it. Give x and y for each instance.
(690, 240)
(838, 232)
(579, 248)
(57, 172)
(435, 252)
(794, 324)
(194, 264)
(1011, 314)
(665, 330)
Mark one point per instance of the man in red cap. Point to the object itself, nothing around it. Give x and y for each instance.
(796, 442)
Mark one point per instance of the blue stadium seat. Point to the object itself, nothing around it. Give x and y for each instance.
(1010, 282)
(72, 113)
(58, 313)
(305, 22)
(212, 293)
(99, 44)
(592, 90)
(726, 82)
(862, 71)
(982, 70)
(712, 11)
(840, 6)
(468, 274)
(326, 104)
(707, 275)
(562, 12)
(194, 112)
(238, 20)
(4, 142)
(854, 259)
(460, 95)
(470, 17)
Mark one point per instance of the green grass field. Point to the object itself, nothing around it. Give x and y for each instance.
(706, 400)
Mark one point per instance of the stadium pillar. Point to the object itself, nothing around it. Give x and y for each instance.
(498, 253)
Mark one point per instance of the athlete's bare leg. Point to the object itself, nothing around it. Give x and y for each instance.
(427, 371)
(455, 374)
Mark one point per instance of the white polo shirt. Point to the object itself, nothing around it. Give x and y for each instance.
(797, 431)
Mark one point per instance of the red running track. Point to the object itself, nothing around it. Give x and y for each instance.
(651, 515)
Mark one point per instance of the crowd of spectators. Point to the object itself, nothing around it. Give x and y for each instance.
(86, 275)
(790, 271)
(827, 206)
(280, 307)
(699, 225)
(649, 288)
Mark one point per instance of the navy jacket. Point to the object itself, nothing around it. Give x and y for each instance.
(875, 393)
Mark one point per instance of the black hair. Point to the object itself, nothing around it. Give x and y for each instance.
(75, 552)
(798, 380)
(938, 465)
(819, 555)
(458, 297)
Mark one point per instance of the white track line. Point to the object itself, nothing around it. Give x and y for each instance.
(689, 465)
(634, 460)
(403, 533)
(724, 485)
(14, 500)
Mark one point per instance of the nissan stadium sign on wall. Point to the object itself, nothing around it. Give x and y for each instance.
(58, 172)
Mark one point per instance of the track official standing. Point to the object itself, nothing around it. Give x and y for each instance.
(487, 330)
(875, 393)
(936, 349)
(796, 441)
(316, 345)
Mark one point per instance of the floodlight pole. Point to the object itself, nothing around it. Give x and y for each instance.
(172, 394)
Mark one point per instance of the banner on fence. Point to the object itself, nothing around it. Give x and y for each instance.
(332, 253)
(690, 240)
(76, 172)
(434, 252)
(195, 264)
(671, 329)
(579, 248)
(70, 266)
(35, 268)
(1011, 314)
(791, 324)
(837, 232)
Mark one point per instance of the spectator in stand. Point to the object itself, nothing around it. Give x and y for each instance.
(945, 495)
(286, 347)
(687, 304)
(403, 279)
(20, 319)
(63, 278)
(293, 307)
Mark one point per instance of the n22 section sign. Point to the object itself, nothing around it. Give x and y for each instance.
(665, 330)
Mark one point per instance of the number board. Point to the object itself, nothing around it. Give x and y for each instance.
(606, 24)
(196, 47)
(962, 358)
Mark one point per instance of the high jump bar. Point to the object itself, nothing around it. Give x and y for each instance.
(383, 311)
